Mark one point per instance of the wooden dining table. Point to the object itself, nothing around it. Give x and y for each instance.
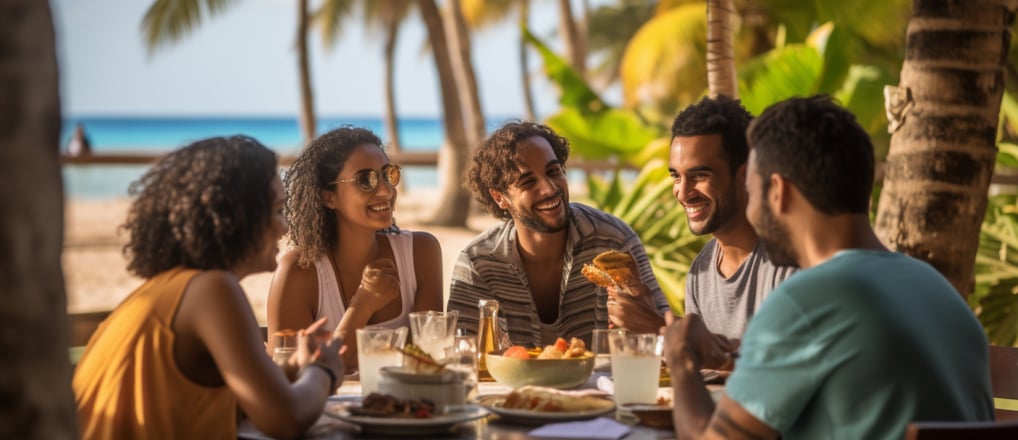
(490, 427)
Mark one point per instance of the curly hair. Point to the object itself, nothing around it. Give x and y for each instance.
(721, 115)
(313, 227)
(818, 146)
(494, 163)
(204, 206)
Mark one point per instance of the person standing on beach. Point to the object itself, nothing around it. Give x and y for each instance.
(182, 352)
(531, 262)
(732, 274)
(349, 262)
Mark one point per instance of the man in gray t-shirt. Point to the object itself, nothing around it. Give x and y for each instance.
(731, 275)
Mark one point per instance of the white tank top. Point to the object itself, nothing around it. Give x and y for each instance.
(330, 301)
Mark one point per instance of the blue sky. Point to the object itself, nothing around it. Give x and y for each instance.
(242, 62)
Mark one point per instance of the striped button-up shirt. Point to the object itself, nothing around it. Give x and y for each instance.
(490, 268)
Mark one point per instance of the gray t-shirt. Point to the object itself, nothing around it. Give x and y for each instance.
(727, 304)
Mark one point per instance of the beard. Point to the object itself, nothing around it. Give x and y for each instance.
(774, 238)
(725, 209)
(535, 223)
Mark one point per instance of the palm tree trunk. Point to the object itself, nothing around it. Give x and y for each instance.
(454, 200)
(943, 117)
(528, 94)
(571, 39)
(721, 79)
(391, 123)
(307, 104)
(36, 374)
(463, 69)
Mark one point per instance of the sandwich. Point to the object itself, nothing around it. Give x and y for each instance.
(611, 269)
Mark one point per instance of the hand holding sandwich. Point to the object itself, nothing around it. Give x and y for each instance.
(629, 301)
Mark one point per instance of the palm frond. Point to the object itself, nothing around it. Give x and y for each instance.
(329, 19)
(167, 21)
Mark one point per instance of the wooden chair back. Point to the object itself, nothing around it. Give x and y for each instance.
(1004, 382)
(84, 324)
(962, 430)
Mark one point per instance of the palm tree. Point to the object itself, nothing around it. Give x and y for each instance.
(572, 40)
(721, 79)
(944, 116)
(454, 203)
(36, 384)
(528, 95)
(169, 20)
(379, 15)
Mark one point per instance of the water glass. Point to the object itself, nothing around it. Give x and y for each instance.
(599, 345)
(377, 347)
(462, 356)
(434, 331)
(285, 343)
(636, 366)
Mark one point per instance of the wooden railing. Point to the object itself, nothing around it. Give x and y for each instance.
(404, 158)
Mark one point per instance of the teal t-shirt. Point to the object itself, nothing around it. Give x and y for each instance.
(859, 346)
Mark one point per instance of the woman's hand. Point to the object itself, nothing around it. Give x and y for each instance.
(379, 285)
(315, 344)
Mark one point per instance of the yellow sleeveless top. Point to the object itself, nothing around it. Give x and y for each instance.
(127, 384)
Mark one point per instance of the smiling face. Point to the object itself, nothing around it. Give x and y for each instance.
(773, 235)
(538, 199)
(372, 209)
(703, 183)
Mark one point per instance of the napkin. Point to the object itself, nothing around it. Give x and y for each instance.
(596, 429)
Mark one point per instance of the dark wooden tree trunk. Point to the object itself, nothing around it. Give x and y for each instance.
(570, 37)
(943, 117)
(307, 100)
(453, 206)
(35, 371)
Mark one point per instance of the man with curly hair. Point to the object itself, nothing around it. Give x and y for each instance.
(732, 274)
(531, 262)
(183, 352)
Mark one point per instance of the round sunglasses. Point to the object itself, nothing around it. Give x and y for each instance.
(367, 180)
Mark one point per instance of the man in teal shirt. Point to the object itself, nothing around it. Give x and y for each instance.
(862, 340)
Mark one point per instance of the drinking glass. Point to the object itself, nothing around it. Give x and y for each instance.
(636, 366)
(599, 345)
(377, 347)
(285, 343)
(434, 331)
(462, 356)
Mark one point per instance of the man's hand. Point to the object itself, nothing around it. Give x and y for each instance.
(634, 310)
(690, 345)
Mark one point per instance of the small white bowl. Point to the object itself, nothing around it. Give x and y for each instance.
(444, 389)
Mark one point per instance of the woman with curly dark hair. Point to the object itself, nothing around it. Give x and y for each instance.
(349, 263)
(183, 351)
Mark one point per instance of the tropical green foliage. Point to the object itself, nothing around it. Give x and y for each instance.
(995, 298)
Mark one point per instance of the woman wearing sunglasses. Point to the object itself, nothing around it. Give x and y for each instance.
(348, 261)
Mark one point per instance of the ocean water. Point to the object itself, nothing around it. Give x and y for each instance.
(162, 134)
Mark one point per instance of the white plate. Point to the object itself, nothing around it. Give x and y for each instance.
(396, 426)
(494, 404)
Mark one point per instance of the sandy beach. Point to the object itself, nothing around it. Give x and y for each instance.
(94, 267)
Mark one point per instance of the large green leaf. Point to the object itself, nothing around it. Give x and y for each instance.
(574, 91)
(603, 134)
(995, 297)
(793, 70)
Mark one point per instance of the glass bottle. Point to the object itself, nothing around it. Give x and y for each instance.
(489, 336)
(285, 342)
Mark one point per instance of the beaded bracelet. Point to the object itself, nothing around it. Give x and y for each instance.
(327, 370)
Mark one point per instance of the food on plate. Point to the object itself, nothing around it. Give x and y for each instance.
(543, 399)
(517, 351)
(385, 405)
(611, 269)
(575, 348)
(418, 361)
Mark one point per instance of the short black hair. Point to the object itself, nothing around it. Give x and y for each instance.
(204, 206)
(720, 115)
(818, 146)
